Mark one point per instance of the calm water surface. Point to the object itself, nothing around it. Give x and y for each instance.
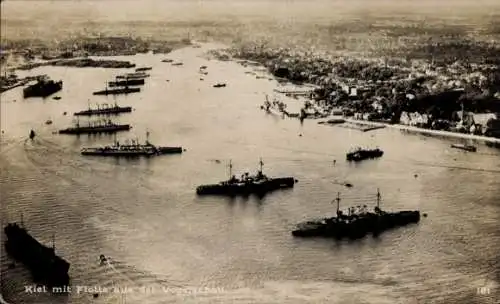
(145, 216)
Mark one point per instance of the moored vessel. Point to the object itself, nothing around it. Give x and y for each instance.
(126, 82)
(142, 69)
(105, 109)
(468, 148)
(125, 90)
(247, 184)
(362, 154)
(357, 223)
(92, 128)
(43, 263)
(137, 75)
(43, 88)
(131, 150)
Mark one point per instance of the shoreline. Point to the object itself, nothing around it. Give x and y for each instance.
(434, 133)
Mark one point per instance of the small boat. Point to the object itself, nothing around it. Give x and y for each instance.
(167, 60)
(469, 148)
(177, 63)
(56, 97)
(32, 134)
(219, 85)
(48, 122)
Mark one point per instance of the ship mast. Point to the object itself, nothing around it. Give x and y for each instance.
(230, 169)
(53, 242)
(147, 137)
(261, 164)
(378, 197)
(338, 203)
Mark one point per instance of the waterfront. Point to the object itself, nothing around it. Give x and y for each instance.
(144, 214)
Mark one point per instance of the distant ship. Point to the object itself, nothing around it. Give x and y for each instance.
(247, 184)
(105, 110)
(469, 148)
(107, 127)
(167, 60)
(125, 90)
(357, 223)
(127, 82)
(219, 85)
(32, 134)
(45, 266)
(177, 63)
(362, 154)
(143, 69)
(42, 88)
(133, 150)
(139, 75)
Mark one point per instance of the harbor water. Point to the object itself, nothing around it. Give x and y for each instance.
(165, 245)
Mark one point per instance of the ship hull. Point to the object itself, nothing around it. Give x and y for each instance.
(359, 228)
(104, 111)
(45, 91)
(93, 130)
(45, 266)
(464, 147)
(246, 188)
(360, 156)
(117, 91)
(124, 153)
(129, 82)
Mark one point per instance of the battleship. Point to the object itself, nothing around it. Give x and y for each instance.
(107, 127)
(362, 154)
(357, 223)
(469, 148)
(42, 88)
(126, 82)
(125, 90)
(131, 150)
(43, 263)
(247, 184)
(104, 110)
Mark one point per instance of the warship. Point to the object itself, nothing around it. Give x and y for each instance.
(143, 69)
(469, 148)
(357, 223)
(104, 110)
(362, 154)
(139, 75)
(247, 184)
(92, 128)
(131, 150)
(42, 88)
(125, 90)
(126, 82)
(45, 266)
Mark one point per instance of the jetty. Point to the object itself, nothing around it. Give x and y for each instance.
(357, 223)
